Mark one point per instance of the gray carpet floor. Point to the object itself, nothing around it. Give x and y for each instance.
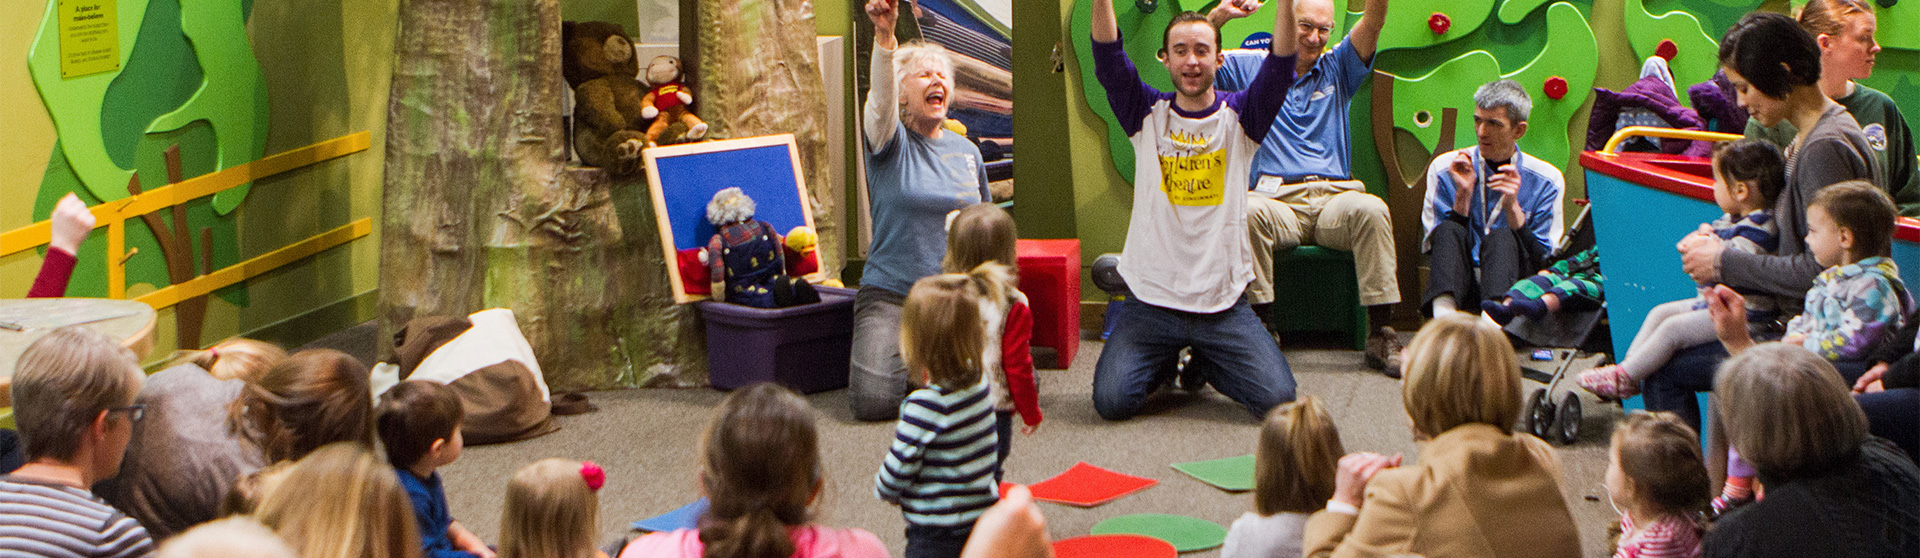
(646, 440)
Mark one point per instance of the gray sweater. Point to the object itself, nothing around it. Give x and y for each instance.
(183, 457)
(1834, 151)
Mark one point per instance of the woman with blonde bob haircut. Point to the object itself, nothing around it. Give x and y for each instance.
(1479, 489)
(342, 502)
(1832, 490)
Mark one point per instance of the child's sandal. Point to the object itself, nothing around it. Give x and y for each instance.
(1609, 382)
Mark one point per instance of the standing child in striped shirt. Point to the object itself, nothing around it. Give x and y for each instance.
(940, 469)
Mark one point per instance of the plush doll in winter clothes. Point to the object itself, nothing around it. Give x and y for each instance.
(744, 257)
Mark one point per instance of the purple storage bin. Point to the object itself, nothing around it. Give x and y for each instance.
(806, 348)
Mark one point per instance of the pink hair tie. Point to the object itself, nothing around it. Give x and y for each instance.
(593, 474)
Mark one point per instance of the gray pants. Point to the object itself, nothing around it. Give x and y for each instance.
(1669, 328)
(877, 379)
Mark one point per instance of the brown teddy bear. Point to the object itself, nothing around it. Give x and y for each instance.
(669, 101)
(599, 63)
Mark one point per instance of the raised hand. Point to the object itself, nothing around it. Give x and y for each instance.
(884, 14)
(71, 223)
(1230, 10)
(1464, 181)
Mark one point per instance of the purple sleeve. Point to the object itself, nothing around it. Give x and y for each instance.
(1130, 99)
(1262, 100)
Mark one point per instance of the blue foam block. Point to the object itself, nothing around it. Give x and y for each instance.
(687, 517)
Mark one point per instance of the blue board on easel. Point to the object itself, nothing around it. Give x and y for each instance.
(684, 178)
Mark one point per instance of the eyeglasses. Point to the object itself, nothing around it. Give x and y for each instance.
(134, 412)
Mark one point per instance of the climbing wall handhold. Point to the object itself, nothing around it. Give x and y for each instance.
(1667, 50)
(1439, 23)
(1556, 87)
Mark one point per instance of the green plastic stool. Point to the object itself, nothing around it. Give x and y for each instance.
(1315, 291)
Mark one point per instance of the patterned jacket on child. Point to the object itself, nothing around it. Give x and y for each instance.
(1853, 310)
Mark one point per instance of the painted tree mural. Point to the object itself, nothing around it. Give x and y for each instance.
(188, 99)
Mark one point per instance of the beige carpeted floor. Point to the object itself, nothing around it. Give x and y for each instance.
(646, 438)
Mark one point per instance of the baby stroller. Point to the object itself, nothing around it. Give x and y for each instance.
(1548, 348)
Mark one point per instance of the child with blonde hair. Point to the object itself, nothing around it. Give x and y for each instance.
(1294, 467)
(760, 471)
(340, 501)
(1657, 482)
(552, 510)
(940, 470)
(984, 234)
(233, 359)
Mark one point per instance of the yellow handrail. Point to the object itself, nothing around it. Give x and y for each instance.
(1652, 132)
(113, 216)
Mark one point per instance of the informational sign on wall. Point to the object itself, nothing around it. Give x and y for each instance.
(89, 37)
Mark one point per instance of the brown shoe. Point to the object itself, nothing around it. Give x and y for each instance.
(1383, 352)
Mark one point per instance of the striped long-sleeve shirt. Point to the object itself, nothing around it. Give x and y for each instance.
(57, 521)
(945, 449)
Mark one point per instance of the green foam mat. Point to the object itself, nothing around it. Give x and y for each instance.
(1232, 474)
(1186, 534)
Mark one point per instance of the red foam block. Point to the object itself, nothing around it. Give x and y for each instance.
(1113, 546)
(1085, 485)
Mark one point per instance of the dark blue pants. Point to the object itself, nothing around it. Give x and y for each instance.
(1895, 415)
(1231, 351)
(1003, 422)
(1674, 387)
(936, 542)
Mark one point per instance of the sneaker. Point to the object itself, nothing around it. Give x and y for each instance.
(1609, 382)
(1383, 352)
(1189, 379)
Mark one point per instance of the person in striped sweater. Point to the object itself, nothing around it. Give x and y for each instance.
(1657, 481)
(73, 396)
(940, 470)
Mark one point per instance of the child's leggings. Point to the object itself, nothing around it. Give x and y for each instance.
(1669, 328)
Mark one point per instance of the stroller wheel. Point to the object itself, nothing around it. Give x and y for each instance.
(1539, 413)
(1569, 419)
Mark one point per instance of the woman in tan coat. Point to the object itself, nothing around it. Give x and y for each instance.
(1479, 490)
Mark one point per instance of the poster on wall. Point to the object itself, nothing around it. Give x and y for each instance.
(89, 37)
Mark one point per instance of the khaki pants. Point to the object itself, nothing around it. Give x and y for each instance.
(1338, 215)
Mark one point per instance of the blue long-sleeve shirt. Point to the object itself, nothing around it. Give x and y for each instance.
(1542, 193)
(430, 512)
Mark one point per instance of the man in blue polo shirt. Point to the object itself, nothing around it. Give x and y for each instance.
(1303, 190)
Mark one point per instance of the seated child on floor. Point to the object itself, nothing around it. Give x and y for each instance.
(419, 424)
(1856, 308)
(1298, 455)
(940, 468)
(981, 234)
(552, 511)
(1658, 483)
(1747, 174)
(1569, 283)
(760, 471)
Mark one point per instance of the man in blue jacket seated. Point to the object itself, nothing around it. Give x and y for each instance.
(1489, 207)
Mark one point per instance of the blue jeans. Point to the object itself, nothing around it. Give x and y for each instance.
(1894, 414)
(936, 542)
(1231, 351)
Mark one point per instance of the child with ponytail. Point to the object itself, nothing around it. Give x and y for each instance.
(760, 470)
(977, 236)
(552, 511)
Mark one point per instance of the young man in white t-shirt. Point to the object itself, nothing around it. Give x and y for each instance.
(1186, 259)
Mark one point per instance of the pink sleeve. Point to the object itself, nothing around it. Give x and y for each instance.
(1016, 357)
(858, 543)
(55, 271)
(683, 543)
